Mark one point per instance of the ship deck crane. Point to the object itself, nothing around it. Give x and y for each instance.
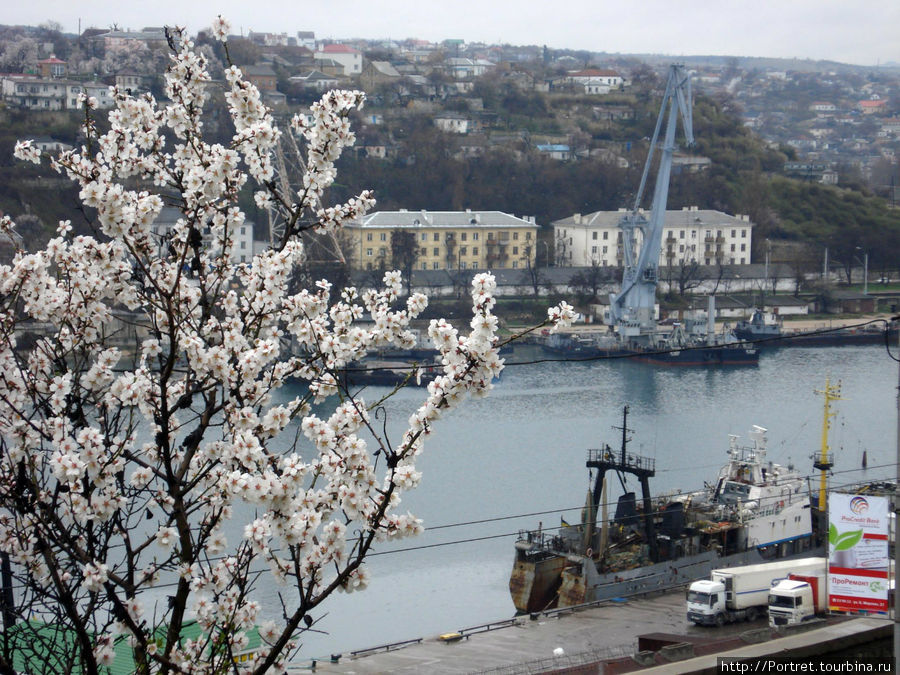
(632, 309)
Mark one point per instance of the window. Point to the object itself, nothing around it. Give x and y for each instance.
(474, 266)
(732, 248)
(463, 236)
(708, 234)
(528, 236)
(605, 236)
(515, 236)
(742, 260)
(243, 229)
(462, 250)
(474, 250)
(743, 234)
(474, 236)
(434, 266)
(743, 247)
(515, 250)
(681, 234)
(733, 234)
(593, 249)
(424, 266)
(515, 264)
(437, 237)
(681, 248)
(693, 234)
(594, 235)
(462, 264)
(605, 248)
(424, 236)
(437, 251)
(243, 244)
(423, 251)
(368, 236)
(383, 236)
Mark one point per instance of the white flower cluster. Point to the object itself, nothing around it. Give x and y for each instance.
(118, 470)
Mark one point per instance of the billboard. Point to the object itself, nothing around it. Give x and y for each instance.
(858, 552)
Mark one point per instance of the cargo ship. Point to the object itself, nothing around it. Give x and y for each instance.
(753, 511)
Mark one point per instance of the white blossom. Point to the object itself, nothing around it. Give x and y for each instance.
(138, 460)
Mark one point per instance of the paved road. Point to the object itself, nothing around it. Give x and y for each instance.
(607, 630)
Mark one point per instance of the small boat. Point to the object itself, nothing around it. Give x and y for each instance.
(753, 511)
(766, 330)
(383, 373)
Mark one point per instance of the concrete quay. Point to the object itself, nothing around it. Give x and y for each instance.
(607, 632)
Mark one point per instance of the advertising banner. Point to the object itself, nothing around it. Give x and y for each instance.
(858, 552)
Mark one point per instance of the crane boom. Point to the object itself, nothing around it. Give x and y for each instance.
(631, 310)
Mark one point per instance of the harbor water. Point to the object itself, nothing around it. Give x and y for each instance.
(517, 459)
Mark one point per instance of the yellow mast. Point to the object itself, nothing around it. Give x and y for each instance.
(824, 463)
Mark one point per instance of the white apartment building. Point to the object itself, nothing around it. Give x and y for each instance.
(35, 93)
(243, 235)
(690, 235)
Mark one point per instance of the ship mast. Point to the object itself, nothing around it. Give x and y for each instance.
(826, 459)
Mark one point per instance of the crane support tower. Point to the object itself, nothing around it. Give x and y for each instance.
(632, 309)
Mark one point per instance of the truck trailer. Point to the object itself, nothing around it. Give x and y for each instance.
(742, 593)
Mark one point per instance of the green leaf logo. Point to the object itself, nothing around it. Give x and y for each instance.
(843, 541)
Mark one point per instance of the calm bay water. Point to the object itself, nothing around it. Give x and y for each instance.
(522, 450)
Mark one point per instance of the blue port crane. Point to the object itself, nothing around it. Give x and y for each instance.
(632, 309)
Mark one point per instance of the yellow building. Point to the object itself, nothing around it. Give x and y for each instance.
(469, 240)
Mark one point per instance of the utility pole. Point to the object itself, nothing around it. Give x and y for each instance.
(894, 321)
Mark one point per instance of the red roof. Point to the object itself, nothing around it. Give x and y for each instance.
(338, 49)
(52, 59)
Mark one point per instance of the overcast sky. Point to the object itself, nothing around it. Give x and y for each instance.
(862, 32)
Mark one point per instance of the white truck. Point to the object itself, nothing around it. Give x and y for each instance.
(742, 593)
(798, 598)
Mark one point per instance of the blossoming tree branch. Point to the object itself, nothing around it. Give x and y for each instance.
(122, 476)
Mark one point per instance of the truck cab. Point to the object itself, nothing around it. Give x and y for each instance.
(706, 602)
(796, 599)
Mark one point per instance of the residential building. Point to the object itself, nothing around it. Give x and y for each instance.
(349, 58)
(315, 80)
(447, 240)
(243, 236)
(379, 72)
(125, 39)
(307, 39)
(872, 106)
(690, 235)
(558, 151)
(596, 80)
(262, 76)
(460, 68)
(131, 82)
(36, 93)
(52, 67)
(453, 122)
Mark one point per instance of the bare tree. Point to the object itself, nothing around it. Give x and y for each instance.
(404, 254)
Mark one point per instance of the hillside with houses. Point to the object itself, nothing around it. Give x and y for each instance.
(801, 155)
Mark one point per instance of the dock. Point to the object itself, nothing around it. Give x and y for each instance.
(635, 634)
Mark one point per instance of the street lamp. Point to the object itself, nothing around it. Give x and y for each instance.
(546, 253)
